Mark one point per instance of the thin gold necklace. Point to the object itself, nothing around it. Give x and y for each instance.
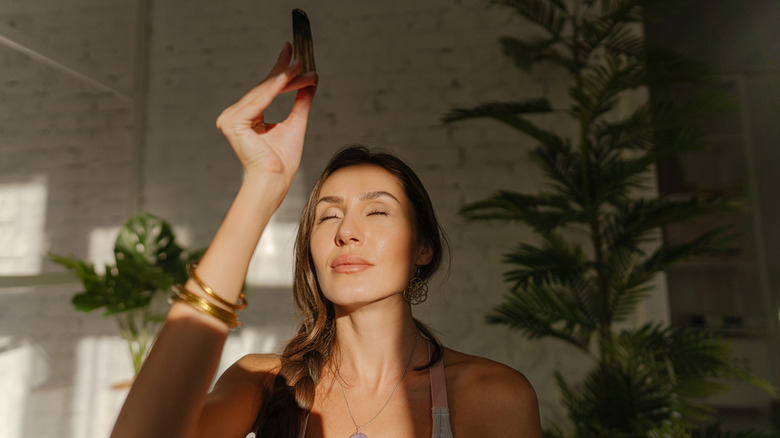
(358, 433)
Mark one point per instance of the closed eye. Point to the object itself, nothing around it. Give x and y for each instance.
(324, 218)
(377, 212)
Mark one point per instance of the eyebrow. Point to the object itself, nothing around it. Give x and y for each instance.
(363, 197)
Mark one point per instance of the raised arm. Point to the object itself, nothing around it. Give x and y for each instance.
(169, 394)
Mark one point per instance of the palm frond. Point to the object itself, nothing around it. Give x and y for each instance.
(691, 354)
(626, 43)
(634, 132)
(612, 19)
(564, 170)
(509, 113)
(525, 54)
(633, 220)
(546, 310)
(626, 287)
(557, 262)
(550, 15)
(543, 212)
(624, 301)
(601, 85)
(621, 399)
(668, 254)
(615, 177)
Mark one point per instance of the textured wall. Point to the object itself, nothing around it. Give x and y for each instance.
(388, 72)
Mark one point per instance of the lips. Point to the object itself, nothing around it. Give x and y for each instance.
(349, 263)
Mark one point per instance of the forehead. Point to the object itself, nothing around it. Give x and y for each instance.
(355, 180)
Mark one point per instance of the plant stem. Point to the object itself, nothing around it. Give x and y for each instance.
(136, 335)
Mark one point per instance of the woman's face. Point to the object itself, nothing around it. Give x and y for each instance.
(363, 240)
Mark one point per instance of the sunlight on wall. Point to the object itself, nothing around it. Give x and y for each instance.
(100, 249)
(22, 367)
(248, 340)
(102, 362)
(22, 220)
(272, 263)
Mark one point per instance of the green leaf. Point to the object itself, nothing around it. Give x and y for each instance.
(557, 262)
(147, 240)
(543, 212)
(564, 169)
(669, 254)
(548, 310)
(88, 301)
(633, 133)
(608, 25)
(633, 220)
(625, 43)
(84, 271)
(551, 15)
(525, 54)
(601, 85)
(148, 261)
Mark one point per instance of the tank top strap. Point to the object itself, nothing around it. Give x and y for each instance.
(438, 380)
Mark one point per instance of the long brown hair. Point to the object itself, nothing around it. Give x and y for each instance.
(312, 347)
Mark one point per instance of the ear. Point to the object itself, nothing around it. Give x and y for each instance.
(424, 254)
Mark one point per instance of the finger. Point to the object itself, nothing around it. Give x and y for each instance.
(283, 61)
(282, 65)
(261, 97)
(301, 81)
(249, 109)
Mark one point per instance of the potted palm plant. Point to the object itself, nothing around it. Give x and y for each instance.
(599, 224)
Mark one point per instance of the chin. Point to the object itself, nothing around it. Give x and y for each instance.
(356, 297)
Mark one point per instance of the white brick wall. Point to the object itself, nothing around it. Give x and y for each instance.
(389, 71)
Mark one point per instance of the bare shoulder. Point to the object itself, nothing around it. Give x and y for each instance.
(259, 363)
(238, 394)
(488, 398)
(252, 373)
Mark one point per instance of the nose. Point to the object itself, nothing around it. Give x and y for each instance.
(349, 232)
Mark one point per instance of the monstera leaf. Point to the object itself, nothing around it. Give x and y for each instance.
(148, 260)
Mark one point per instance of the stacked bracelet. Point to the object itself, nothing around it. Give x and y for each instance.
(241, 305)
(183, 295)
(205, 306)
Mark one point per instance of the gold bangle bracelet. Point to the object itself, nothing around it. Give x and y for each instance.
(241, 305)
(205, 306)
(183, 292)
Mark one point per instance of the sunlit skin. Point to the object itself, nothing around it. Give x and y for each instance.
(364, 244)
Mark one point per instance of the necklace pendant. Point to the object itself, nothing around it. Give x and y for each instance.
(358, 434)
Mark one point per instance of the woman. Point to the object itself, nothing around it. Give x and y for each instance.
(360, 364)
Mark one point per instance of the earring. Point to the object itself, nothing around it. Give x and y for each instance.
(416, 291)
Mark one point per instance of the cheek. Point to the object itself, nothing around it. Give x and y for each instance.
(396, 246)
(314, 247)
(319, 250)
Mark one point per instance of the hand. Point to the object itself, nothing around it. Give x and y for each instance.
(264, 147)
